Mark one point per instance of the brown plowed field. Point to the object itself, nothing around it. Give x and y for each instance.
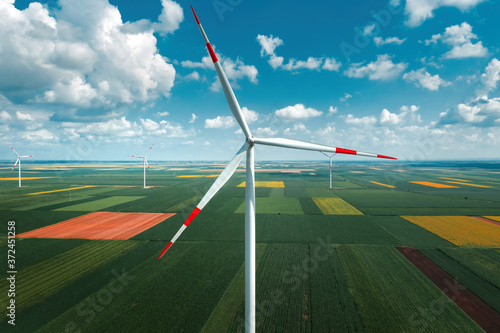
(476, 309)
(100, 225)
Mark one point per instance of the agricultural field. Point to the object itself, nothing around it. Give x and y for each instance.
(328, 259)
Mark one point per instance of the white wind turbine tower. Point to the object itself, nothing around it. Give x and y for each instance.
(144, 163)
(330, 157)
(18, 161)
(248, 148)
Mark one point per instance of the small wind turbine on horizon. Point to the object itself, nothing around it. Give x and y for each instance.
(144, 163)
(18, 161)
(330, 157)
(248, 148)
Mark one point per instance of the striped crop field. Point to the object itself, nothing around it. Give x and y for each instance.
(47, 277)
(100, 204)
(274, 205)
(381, 184)
(460, 230)
(436, 185)
(389, 292)
(260, 183)
(335, 206)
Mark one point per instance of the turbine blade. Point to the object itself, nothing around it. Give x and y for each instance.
(216, 186)
(228, 91)
(15, 152)
(17, 161)
(147, 164)
(296, 144)
(149, 150)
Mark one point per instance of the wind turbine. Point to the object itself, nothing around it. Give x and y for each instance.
(248, 149)
(18, 161)
(330, 157)
(144, 163)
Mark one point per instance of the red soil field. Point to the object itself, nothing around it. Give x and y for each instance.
(100, 225)
(487, 220)
(473, 306)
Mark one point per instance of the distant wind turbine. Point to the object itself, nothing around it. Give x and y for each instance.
(18, 161)
(248, 148)
(330, 157)
(144, 163)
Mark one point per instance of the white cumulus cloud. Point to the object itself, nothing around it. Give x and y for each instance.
(251, 116)
(297, 111)
(491, 75)
(23, 116)
(460, 37)
(407, 116)
(362, 121)
(40, 135)
(235, 69)
(332, 110)
(265, 131)
(193, 118)
(480, 112)
(268, 49)
(296, 129)
(170, 17)
(381, 69)
(379, 41)
(425, 80)
(420, 10)
(80, 55)
(4, 115)
(220, 122)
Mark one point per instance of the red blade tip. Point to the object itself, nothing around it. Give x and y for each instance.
(196, 17)
(165, 250)
(389, 157)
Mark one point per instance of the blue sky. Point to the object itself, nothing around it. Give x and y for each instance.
(103, 79)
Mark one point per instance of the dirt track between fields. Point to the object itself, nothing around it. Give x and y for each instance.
(473, 306)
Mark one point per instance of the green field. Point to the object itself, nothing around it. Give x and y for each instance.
(316, 271)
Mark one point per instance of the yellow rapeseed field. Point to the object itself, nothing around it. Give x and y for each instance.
(437, 185)
(468, 184)
(265, 184)
(456, 179)
(335, 206)
(62, 190)
(24, 178)
(460, 230)
(382, 184)
(494, 218)
(197, 176)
